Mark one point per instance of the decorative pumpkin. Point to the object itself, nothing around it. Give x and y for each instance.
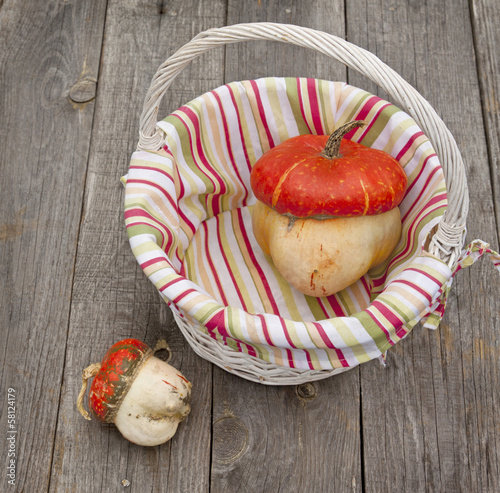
(327, 209)
(142, 395)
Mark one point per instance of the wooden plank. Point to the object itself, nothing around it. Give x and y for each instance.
(112, 297)
(288, 438)
(270, 438)
(262, 58)
(428, 419)
(485, 20)
(49, 51)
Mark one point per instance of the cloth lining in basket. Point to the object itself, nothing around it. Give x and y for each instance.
(188, 218)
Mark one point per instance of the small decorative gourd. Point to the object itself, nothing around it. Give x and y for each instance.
(327, 209)
(142, 395)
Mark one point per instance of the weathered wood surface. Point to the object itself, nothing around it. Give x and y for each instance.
(73, 76)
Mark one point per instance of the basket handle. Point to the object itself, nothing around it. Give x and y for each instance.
(447, 242)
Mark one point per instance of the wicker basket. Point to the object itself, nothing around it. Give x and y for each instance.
(445, 243)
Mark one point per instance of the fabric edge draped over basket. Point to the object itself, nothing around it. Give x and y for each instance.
(416, 290)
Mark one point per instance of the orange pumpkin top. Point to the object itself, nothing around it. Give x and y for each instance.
(322, 176)
(119, 368)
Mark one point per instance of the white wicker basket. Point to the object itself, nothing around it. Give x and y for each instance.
(446, 242)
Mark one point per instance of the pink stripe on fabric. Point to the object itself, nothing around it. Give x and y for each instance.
(289, 356)
(429, 276)
(314, 105)
(334, 303)
(154, 185)
(182, 295)
(363, 112)
(217, 322)
(181, 195)
(309, 361)
(408, 145)
(265, 329)
(255, 263)
(152, 168)
(171, 283)
(394, 319)
(423, 170)
(240, 128)
(212, 266)
(330, 345)
(250, 349)
(166, 243)
(366, 285)
(228, 140)
(228, 267)
(211, 174)
(301, 106)
(366, 129)
(429, 209)
(380, 326)
(414, 287)
(323, 308)
(152, 261)
(133, 213)
(401, 332)
(262, 113)
(416, 201)
(287, 335)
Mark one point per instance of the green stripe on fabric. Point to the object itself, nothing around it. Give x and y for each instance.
(351, 111)
(186, 151)
(234, 323)
(315, 308)
(398, 307)
(346, 301)
(291, 328)
(293, 96)
(350, 341)
(140, 229)
(375, 332)
(244, 117)
(165, 279)
(233, 265)
(207, 311)
(145, 247)
(380, 124)
(144, 163)
(276, 108)
(326, 104)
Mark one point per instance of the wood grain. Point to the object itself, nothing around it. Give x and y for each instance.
(46, 48)
(485, 18)
(286, 438)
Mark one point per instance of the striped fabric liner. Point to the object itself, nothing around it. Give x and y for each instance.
(188, 216)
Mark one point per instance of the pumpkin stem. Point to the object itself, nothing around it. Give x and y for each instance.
(89, 372)
(332, 146)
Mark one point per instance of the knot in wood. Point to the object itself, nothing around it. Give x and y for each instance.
(84, 90)
(230, 438)
(306, 391)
